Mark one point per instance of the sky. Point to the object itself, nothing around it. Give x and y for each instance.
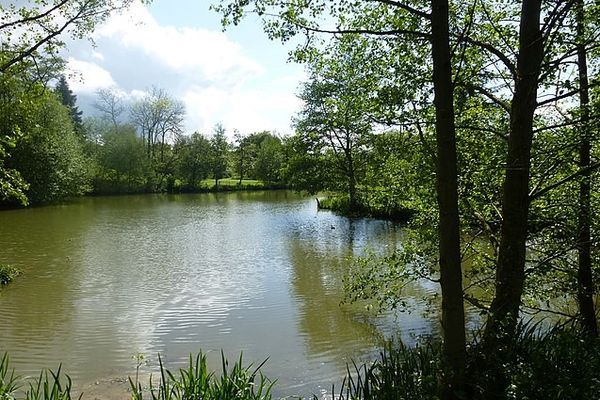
(238, 77)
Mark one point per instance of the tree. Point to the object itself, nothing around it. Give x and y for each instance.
(69, 100)
(219, 153)
(110, 105)
(193, 158)
(513, 63)
(306, 166)
(50, 157)
(12, 185)
(30, 38)
(159, 119)
(585, 292)
(244, 153)
(335, 115)
(123, 165)
(290, 18)
(453, 318)
(14, 107)
(269, 158)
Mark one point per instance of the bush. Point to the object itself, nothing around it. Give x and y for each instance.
(8, 273)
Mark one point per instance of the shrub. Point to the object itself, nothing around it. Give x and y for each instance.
(8, 273)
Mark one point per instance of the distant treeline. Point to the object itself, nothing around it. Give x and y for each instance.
(55, 153)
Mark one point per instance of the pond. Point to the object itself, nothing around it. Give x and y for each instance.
(254, 272)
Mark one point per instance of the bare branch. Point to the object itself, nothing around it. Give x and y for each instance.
(405, 7)
(569, 178)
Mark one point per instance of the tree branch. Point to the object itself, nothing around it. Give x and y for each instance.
(35, 17)
(405, 7)
(566, 95)
(541, 192)
(493, 50)
(504, 104)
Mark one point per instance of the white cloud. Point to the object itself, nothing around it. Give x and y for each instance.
(87, 76)
(208, 71)
(97, 55)
(136, 94)
(245, 110)
(196, 51)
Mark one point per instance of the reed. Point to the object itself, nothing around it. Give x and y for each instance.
(9, 382)
(197, 382)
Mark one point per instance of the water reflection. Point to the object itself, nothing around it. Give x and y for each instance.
(316, 284)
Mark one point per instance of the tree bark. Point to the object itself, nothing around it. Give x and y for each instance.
(510, 270)
(453, 319)
(351, 182)
(241, 167)
(585, 291)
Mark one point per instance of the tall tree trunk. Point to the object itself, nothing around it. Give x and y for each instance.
(584, 273)
(241, 168)
(510, 270)
(351, 182)
(453, 318)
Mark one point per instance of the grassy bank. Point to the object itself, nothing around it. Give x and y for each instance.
(208, 185)
(341, 205)
(175, 185)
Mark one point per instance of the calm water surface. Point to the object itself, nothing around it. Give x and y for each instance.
(258, 272)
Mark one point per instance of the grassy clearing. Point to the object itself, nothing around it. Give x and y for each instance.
(8, 273)
(232, 184)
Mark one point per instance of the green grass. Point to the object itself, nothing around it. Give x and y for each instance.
(9, 382)
(399, 373)
(237, 382)
(197, 382)
(232, 184)
(8, 273)
(49, 385)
